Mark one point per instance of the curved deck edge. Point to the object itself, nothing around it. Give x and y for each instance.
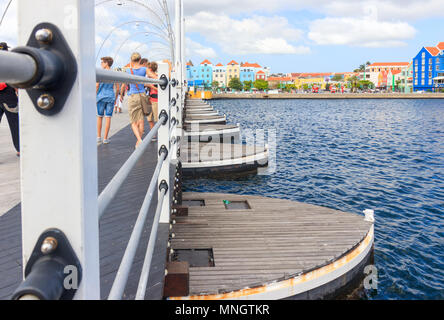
(303, 283)
(255, 160)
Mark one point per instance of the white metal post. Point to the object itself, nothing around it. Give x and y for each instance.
(59, 152)
(179, 58)
(173, 138)
(164, 141)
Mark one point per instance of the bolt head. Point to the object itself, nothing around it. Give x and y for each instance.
(45, 102)
(49, 245)
(44, 36)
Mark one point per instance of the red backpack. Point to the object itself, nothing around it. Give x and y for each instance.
(2, 86)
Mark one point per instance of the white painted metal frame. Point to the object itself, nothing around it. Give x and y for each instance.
(63, 154)
(60, 151)
(164, 140)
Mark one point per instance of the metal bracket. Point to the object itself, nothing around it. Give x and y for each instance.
(56, 69)
(165, 82)
(163, 149)
(45, 270)
(163, 185)
(163, 113)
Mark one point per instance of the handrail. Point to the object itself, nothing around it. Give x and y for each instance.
(57, 72)
(116, 183)
(127, 261)
(143, 282)
(16, 68)
(107, 76)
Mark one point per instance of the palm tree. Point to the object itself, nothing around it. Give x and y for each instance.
(354, 83)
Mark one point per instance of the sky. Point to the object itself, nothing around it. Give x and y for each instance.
(285, 35)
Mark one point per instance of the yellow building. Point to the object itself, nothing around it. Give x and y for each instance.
(299, 83)
(233, 71)
(311, 79)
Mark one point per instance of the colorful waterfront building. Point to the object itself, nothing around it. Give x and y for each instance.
(220, 75)
(260, 75)
(194, 76)
(247, 72)
(279, 82)
(233, 70)
(377, 72)
(319, 79)
(438, 81)
(394, 80)
(407, 78)
(427, 65)
(206, 72)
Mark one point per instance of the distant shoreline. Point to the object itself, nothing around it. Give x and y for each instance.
(329, 96)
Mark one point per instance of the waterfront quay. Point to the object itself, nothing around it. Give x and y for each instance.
(328, 96)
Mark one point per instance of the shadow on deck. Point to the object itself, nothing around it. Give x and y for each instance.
(115, 226)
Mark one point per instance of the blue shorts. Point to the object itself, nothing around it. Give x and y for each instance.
(105, 109)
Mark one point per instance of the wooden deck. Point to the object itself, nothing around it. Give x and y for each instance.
(273, 241)
(115, 226)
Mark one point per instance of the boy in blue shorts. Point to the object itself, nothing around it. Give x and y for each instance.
(106, 98)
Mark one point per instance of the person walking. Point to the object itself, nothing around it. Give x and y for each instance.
(153, 118)
(106, 97)
(118, 104)
(9, 107)
(138, 103)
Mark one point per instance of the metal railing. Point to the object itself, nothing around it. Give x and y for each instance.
(57, 103)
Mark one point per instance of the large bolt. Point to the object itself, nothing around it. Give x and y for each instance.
(49, 245)
(46, 102)
(44, 36)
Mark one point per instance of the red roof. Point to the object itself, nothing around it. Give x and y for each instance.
(219, 65)
(206, 62)
(260, 72)
(389, 64)
(433, 50)
(314, 75)
(232, 62)
(396, 71)
(279, 79)
(440, 46)
(251, 65)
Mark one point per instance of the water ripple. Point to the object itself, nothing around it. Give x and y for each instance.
(387, 155)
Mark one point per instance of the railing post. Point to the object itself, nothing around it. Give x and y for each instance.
(174, 116)
(59, 152)
(165, 143)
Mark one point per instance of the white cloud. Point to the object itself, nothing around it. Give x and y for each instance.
(243, 6)
(386, 10)
(407, 10)
(196, 49)
(255, 35)
(364, 32)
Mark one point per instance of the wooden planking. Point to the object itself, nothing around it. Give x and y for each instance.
(272, 241)
(115, 226)
(211, 127)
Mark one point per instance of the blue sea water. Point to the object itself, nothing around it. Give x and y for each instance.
(351, 155)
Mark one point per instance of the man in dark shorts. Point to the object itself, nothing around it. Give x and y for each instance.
(9, 107)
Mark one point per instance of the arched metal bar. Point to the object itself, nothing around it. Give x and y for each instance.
(141, 4)
(116, 28)
(6, 10)
(131, 36)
